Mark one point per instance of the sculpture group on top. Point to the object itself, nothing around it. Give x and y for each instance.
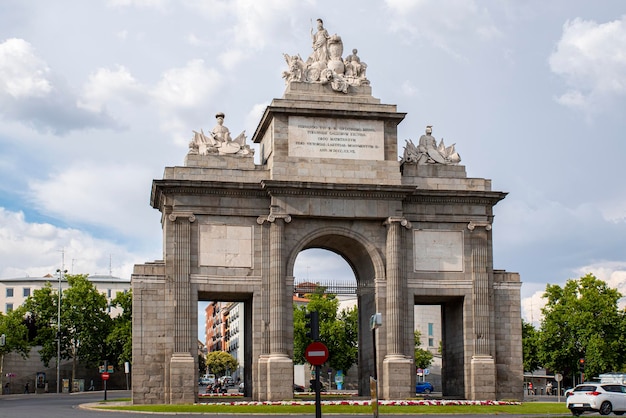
(428, 152)
(325, 65)
(219, 141)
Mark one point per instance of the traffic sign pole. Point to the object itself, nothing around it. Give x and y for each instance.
(316, 354)
(318, 394)
(106, 364)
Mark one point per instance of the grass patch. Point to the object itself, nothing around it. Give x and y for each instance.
(538, 408)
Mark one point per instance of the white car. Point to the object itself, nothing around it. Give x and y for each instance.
(597, 397)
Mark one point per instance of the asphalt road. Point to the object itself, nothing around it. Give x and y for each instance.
(69, 406)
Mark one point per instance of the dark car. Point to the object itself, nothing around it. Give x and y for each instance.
(423, 387)
(298, 388)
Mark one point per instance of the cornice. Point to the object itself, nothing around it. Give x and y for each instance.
(436, 197)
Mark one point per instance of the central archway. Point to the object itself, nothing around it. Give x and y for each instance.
(366, 264)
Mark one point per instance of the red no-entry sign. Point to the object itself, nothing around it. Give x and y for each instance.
(316, 353)
(105, 376)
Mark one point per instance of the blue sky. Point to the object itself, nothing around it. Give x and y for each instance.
(97, 97)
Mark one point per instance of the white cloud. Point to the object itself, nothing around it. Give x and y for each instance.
(255, 114)
(590, 58)
(408, 89)
(231, 58)
(107, 85)
(22, 73)
(187, 86)
(322, 266)
(159, 5)
(186, 91)
(36, 249)
(32, 94)
(531, 308)
(447, 24)
(109, 196)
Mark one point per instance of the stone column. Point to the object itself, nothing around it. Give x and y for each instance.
(483, 378)
(397, 367)
(182, 362)
(279, 366)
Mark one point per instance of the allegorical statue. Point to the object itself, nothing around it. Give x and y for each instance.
(219, 141)
(320, 43)
(428, 152)
(325, 64)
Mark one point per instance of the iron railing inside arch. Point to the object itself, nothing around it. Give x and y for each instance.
(301, 288)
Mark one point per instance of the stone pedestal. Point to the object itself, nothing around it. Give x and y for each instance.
(182, 379)
(483, 378)
(397, 371)
(279, 378)
(260, 386)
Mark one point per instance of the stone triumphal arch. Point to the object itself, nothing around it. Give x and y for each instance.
(414, 231)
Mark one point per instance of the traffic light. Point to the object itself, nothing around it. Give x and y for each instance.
(581, 364)
(312, 324)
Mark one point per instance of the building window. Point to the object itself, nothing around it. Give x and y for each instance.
(9, 292)
(109, 293)
(431, 342)
(430, 329)
(26, 292)
(9, 307)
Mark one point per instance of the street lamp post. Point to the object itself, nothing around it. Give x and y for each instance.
(61, 272)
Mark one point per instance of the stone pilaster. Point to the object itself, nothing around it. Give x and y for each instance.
(483, 370)
(397, 370)
(279, 366)
(182, 373)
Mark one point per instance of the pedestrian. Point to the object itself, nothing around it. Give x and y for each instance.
(26, 388)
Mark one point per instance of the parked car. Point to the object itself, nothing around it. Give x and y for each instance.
(226, 381)
(423, 387)
(207, 379)
(298, 388)
(597, 397)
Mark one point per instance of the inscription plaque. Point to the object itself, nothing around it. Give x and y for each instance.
(352, 139)
(225, 246)
(438, 250)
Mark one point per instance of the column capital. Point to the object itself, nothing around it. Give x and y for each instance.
(400, 219)
(472, 225)
(272, 217)
(181, 214)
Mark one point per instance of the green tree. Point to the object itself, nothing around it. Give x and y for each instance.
(582, 320)
(201, 364)
(423, 358)
(42, 306)
(120, 339)
(219, 362)
(530, 346)
(85, 322)
(338, 331)
(15, 331)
